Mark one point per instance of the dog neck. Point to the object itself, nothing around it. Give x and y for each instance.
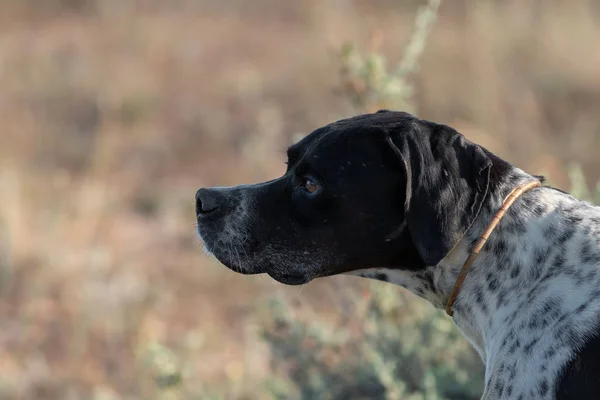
(482, 304)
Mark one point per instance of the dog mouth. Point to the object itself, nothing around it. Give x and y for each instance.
(289, 279)
(231, 258)
(246, 259)
(234, 259)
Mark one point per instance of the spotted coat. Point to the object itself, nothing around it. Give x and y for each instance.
(531, 302)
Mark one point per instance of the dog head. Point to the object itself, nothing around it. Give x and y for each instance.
(377, 190)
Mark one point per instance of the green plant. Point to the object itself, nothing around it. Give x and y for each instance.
(392, 348)
(367, 79)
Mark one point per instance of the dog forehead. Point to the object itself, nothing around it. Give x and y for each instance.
(342, 139)
(357, 138)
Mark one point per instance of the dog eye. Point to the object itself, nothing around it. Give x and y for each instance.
(310, 185)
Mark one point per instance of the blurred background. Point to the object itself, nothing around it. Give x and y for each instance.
(113, 113)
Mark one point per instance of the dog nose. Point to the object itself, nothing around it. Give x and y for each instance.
(207, 201)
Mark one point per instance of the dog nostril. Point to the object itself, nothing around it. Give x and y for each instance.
(206, 202)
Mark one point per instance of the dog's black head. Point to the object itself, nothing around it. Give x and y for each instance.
(377, 190)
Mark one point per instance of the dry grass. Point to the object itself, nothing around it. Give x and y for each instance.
(113, 114)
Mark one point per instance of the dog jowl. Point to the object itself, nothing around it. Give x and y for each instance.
(384, 190)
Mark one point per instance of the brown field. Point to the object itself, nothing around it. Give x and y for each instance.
(115, 112)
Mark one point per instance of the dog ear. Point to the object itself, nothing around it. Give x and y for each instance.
(447, 181)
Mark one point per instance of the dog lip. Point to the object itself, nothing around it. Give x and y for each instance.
(217, 253)
(240, 269)
(290, 279)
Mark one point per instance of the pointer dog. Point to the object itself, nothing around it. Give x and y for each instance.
(392, 197)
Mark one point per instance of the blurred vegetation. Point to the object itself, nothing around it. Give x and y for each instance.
(114, 113)
(579, 186)
(393, 348)
(367, 80)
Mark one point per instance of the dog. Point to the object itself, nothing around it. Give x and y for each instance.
(392, 197)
